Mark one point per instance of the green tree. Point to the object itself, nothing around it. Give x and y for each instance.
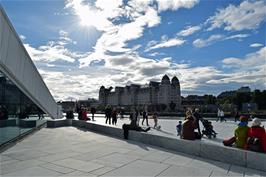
(259, 98)
(241, 97)
(209, 99)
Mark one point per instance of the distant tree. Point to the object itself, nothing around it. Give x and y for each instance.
(263, 98)
(241, 97)
(259, 98)
(172, 106)
(209, 99)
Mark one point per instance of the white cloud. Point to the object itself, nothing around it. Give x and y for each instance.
(238, 36)
(166, 43)
(164, 5)
(249, 70)
(251, 61)
(256, 45)
(248, 15)
(120, 23)
(206, 42)
(217, 37)
(189, 30)
(54, 50)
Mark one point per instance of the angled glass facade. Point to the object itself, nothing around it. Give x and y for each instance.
(24, 97)
(18, 114)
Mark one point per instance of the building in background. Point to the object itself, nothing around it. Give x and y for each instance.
(162, 93)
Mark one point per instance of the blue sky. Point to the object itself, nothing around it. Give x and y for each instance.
(79, 45)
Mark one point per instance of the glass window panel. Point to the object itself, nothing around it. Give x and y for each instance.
(18, 114)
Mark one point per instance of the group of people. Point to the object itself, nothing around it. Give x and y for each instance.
(220, 116)
(111, 115)
(83, 113)
(186, 130)
(250, 138)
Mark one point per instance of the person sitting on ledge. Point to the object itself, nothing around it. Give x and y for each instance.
(188, 127)
(241, 133)
(256, 140)
(133, 126)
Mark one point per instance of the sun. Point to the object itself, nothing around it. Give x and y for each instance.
(86, 17)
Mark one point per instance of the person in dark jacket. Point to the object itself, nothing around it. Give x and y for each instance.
(108, 114)
(93, 111)
(133, 126)
(145, 117)
(197, 117)
(114, 117)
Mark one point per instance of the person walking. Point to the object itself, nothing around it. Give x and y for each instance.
(222, 116)
(218, 115)
(93, 111)
(137, 118)
(155, 118)
(114, 117)
(108, 114)
(145, 117)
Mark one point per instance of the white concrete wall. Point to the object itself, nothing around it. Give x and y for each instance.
(16, 63)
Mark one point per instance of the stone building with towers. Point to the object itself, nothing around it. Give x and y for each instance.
(164, 93)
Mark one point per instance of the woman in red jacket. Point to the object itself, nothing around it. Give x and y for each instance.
(257, 132)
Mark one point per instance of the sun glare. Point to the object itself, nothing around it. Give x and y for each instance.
(85, 18)
(85, 15)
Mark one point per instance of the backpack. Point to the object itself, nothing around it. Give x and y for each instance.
(254, 144)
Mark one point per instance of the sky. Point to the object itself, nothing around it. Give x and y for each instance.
(79, 45)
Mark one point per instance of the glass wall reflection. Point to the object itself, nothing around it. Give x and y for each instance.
(18, 114)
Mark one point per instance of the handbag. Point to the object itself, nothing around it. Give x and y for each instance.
(254, 144)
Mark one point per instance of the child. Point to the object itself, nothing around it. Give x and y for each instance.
(156, 126)
(154, 116)
(179, 128)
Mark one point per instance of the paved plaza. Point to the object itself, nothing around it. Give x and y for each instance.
(168, 127)
(69, 151)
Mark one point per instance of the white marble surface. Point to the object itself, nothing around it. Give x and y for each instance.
(168, 127)
(68, 151)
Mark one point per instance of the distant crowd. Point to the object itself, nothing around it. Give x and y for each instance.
(250, 138)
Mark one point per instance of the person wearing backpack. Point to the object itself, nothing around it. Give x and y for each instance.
(256, 140)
